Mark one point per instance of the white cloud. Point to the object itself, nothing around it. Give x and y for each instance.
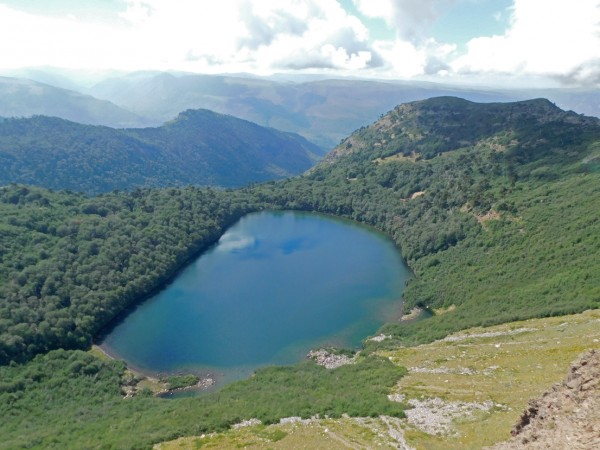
(229, 35)
(305, 35)
(555, 38)
(409, 18)
(559, 38)
(405, 60)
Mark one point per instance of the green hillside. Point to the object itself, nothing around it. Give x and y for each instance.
(494, 207)
(198, 147)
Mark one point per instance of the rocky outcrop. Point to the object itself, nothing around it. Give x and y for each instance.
(565, 417)
(437, 417)
(328, 359)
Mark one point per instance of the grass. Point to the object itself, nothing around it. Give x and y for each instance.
(504, 372)
(499, 360)
(323, 434)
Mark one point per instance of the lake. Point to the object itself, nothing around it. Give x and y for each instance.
(276, 285)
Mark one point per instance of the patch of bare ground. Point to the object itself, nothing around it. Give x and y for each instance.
(565, 417)
(436, 416)
(398, 157)
(413, 314)
(330, 360)
(490, 215)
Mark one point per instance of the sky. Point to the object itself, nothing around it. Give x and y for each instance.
(494, 42)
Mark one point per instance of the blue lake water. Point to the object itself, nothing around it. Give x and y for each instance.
(276, 285)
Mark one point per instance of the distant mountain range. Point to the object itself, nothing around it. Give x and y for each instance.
(24, 98)
(323, 111)
(199, 147)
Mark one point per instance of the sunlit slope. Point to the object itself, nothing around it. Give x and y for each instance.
(467, 391)
(494, 207)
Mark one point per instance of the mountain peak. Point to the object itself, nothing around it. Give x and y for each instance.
(427, 128)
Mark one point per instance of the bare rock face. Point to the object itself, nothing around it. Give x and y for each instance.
(565, 417)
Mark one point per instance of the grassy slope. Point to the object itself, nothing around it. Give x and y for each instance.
(509, 369)
(500, 369)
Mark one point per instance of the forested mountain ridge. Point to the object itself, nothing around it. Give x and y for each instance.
(198, 147)
(496, 217)
(427, 128)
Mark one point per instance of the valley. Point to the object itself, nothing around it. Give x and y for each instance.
(318, 108)
(334, 224)
(492, 206)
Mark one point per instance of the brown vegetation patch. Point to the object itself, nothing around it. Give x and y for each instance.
(398, 157)
(490, 215)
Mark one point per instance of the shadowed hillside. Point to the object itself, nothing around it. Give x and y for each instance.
(198, 147)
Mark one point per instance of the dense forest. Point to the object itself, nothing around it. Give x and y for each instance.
(494, 207)
(198, 147)
(71, 263)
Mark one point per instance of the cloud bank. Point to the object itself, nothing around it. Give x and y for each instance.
(557, 39)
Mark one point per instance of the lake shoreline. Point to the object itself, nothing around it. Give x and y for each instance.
(277, 284)
(168, 278)
(205, 382)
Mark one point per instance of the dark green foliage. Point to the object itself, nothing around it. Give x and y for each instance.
(69, 399)
(198, 147)
(71, 264)
(181, 381)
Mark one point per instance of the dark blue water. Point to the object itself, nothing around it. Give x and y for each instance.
(276, 285)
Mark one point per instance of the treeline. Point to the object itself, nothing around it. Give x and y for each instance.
(70, 263)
